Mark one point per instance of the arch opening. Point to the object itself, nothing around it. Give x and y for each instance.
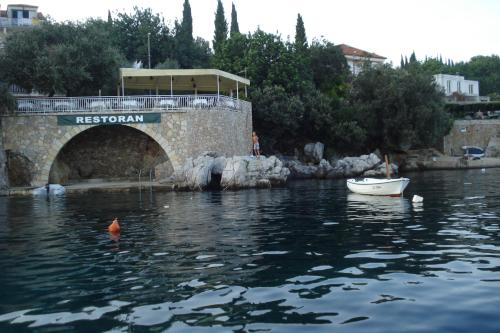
(110, 153)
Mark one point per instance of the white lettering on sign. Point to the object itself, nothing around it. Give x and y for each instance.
(108, 119)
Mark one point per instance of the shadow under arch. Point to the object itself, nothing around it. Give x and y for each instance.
(115, 152)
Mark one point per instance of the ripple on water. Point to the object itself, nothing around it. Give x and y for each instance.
(308, 257)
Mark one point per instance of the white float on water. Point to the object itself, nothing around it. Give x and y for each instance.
(417, 198)
(50, 189)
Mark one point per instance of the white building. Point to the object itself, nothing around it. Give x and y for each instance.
(356, 58)
(457, 88)
(19, 15)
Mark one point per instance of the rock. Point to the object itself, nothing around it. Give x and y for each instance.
(380, 171)
(314, 152)
(21, 169)
(234, 173)
(323, 170)
(299, 170)
(493, 148)
(247, 171)
(354, 166)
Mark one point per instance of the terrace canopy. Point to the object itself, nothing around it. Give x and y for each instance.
(181, 80)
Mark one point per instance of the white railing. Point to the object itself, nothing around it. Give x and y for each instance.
(7, 22)
(35, 105)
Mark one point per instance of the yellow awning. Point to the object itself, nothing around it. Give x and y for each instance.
(202, 80)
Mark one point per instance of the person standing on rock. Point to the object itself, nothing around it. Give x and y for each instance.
(256, 146)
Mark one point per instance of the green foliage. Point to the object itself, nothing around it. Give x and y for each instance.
(232, 55)
(235, 29)
(7, 101)
(220, 33)
(130, 32)
(300, 35)
(485, 69)
(329, 68)
(399, 109)
(277, 116)
(75, 59)
(184, 41)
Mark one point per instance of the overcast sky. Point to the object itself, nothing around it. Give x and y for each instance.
(455, 29)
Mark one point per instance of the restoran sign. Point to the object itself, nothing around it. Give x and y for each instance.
(108, 119)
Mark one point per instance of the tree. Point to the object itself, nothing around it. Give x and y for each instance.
(276, 116)
(235, 29)
(399, 108)
(130, 31)
(110, 19)
(75, 59)
(220, 33)
(232, 56)
(485, 69)
(300, 35)
(413, 58)
(329, 68)
(184, 38)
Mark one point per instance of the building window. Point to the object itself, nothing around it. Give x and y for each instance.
(26, 14)
(459, 89)
(448, 86)
(471, 89)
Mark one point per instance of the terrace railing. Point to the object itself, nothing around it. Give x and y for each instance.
(47, 105)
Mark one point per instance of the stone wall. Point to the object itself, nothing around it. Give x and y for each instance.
(470, 133)
(180, 134)
(3, 165)
(107, 152)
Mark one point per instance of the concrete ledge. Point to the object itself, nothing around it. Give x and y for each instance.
(453, 163)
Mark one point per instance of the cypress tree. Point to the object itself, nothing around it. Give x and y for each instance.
(413, 58)
(220, 34)
(184, 38)
(402, 64)
(110, 19)
(300, 35)
(235, 29)
(406, 61)
(187, 22)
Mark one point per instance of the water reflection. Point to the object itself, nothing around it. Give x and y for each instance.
(360, 207)
(310, 257)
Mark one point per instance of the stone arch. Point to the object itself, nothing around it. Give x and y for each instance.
(73, 131)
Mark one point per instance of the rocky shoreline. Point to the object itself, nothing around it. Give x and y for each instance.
(211, 171)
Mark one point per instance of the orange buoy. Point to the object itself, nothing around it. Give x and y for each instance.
(114, 227)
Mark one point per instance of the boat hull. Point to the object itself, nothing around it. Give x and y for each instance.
(374, 186)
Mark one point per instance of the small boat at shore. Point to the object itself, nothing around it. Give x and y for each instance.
(376, 186)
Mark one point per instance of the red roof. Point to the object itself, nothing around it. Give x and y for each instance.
(352, 51)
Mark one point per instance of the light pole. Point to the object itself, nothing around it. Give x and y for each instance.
(149, 50)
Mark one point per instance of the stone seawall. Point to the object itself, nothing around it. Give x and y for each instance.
(470, 133)
(36, 140)
(3, 165)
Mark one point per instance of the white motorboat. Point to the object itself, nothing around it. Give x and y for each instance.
(473, 152)
(376, 186)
